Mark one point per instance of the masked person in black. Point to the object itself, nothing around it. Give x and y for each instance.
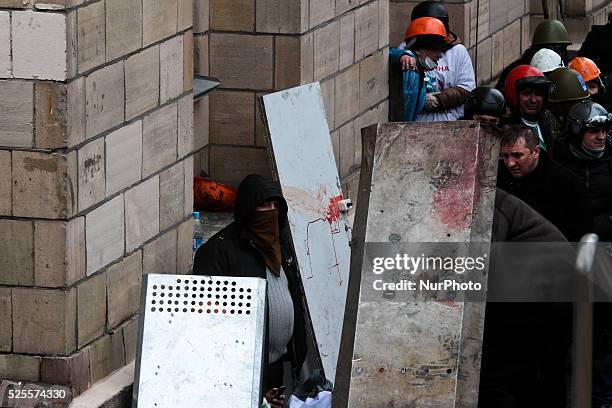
(256, 245)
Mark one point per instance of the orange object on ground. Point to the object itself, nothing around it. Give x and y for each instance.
(212, 196)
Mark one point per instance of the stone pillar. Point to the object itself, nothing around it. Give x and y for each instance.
(201, 114)
(257, 47)
(495, 32)
(96, 146)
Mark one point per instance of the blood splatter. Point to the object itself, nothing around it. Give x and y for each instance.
(333, 208)
(453, 208)
(332, 215)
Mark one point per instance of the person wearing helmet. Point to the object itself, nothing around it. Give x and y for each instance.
(567, 89)
(425, 44)
(485, 104)
(546, 60)
(591, 74)
(598, 47)
(526, 91)
(586, 150)
(453, 78)
(549, 34)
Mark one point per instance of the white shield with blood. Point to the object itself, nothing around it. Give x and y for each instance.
(304, 162)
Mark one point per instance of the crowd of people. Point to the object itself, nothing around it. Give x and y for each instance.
(554, 185)
(554, 181)
(567, 175)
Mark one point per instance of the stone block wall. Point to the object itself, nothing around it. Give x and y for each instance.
(496, 32)
(255, 47)
(96, 144)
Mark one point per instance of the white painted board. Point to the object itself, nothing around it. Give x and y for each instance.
(305, 164)
(200, 342)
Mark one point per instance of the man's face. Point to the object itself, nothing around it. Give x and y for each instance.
(519, 160)
(531, 102)
(593, 87)
(486, 118)
(595, 138)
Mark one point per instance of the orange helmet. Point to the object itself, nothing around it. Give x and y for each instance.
(212, 196)
(426, 26)
(585, 67)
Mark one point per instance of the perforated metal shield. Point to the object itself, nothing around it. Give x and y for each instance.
(200, 342)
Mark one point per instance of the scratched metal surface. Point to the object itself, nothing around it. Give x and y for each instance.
(430, 182)
(304, 161)
(470, 352)
(200, 342)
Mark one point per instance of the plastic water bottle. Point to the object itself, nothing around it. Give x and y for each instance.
(198, 235)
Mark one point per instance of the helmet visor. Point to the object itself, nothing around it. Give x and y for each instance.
(539, 82)
(599, 121)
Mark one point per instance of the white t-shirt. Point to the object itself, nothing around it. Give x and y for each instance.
(280, 315)
(454, 69)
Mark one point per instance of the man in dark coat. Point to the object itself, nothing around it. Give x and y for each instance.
(525, 348)
(550, 189)
(586, 151)
(598, 47)
(256, 245)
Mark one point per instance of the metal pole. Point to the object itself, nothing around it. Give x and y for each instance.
(582, 378)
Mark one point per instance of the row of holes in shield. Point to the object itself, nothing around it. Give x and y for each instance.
(228, 298)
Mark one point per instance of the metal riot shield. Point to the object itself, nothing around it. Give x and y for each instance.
(200, 342)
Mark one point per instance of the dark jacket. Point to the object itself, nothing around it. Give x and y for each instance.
(515, 221)
(231, 253)
(525, 345)
(596, 175)
(525, 59)
(407, 88)
(598, 47)
(554, 192)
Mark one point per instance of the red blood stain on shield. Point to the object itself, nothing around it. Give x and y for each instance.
(333, 210)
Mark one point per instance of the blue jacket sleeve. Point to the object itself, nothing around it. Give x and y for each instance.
(413, 94)
(413, 88)
(395, 54)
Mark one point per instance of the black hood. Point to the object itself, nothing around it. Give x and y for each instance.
(255, 190)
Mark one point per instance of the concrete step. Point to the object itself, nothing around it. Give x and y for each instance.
(115, 391)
